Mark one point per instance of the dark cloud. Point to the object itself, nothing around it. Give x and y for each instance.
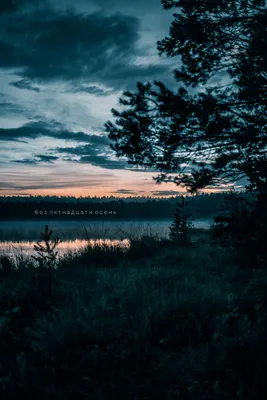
(85, 150)
(46, 185)
(166, 193)
(54, 130)
(38, 159)
(126, 191)
(47, 158)
(26, 161)
(103, 162)
(11, 6)
(7, 105)
(99, 140)
(48, 45)
(127, 75)
(7, 108)
(25, 84)
(7, 6)
(139, 5)
(95, 90)
(96, 153)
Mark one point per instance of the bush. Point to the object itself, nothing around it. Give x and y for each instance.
(180, 227)
(242, 228)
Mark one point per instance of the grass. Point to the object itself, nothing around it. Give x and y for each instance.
(154, 322)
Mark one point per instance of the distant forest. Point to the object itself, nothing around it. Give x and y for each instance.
(112, 208)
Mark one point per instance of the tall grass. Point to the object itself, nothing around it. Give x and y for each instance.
(156, 321)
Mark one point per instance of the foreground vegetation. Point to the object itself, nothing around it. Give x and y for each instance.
(155, 322)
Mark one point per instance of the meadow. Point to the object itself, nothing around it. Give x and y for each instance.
(156, 321)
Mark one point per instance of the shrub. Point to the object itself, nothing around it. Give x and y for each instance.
(242, 228)
(47, 254)
(179, 229)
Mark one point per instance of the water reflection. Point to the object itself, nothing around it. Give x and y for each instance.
(27, 247)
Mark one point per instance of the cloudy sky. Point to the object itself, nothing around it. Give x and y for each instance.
(62, 69)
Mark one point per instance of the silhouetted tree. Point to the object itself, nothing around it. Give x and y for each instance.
(212, 129)
(47, 254)
(242, 228)
(179, 229)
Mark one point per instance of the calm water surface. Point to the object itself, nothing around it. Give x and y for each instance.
(27, 247)
(17, 237)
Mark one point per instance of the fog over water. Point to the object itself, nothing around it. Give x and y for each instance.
(19, 236)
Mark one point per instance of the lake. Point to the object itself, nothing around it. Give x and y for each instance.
(20, 236)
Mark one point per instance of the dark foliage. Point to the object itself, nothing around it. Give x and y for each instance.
(179, 229)
(201, 206)
(47, 254)
(242, 228)
(200, 138)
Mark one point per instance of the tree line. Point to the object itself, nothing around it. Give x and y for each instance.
(201, 206)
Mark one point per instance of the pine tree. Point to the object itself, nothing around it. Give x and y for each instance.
(213, 120)
(47, 254)
(179, 229)
(242, 228)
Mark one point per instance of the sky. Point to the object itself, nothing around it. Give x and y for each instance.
(63, 67)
